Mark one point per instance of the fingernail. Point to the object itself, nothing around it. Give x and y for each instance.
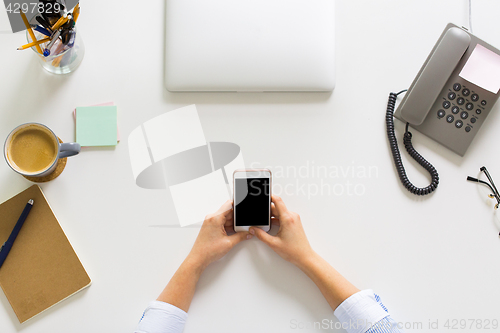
(252, 231)
(249, 236)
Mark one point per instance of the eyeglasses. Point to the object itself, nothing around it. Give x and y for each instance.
(491, 185)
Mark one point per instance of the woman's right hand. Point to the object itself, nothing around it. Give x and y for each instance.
(292, 245)
(290, 242)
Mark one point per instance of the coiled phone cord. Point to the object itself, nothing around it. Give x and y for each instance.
(389, 119)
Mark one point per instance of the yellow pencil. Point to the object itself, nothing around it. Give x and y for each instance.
(59, 23)
(38, 42)
(76, 12)
(30, 31)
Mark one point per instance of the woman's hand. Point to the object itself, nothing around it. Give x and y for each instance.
(213, 241)
(290, 242)
(292, 245)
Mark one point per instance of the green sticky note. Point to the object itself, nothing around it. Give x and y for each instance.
(96, 125)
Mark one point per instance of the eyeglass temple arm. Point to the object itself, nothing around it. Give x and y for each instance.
(495, 193)
(483, 169)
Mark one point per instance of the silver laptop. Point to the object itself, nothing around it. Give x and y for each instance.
(250, 45)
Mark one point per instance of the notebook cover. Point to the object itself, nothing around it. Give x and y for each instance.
(42, 268)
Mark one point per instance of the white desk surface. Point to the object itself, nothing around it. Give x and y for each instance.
(432, 258)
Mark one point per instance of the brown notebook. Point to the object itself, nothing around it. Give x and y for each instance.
(42, 268)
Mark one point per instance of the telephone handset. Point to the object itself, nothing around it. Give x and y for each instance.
(448, 100)
(433, 75)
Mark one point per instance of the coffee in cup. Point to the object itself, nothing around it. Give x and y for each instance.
(33, 150)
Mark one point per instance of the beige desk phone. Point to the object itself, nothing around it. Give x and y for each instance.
(449, 99)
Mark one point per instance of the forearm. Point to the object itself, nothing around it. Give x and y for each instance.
(180, 290)
(334, 287)
(357, 311)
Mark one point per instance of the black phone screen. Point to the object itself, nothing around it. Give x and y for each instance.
(252, 202)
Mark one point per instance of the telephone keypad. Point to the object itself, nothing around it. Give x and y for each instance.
(454, 99)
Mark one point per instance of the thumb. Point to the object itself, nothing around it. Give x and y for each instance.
(262, 235)
(238, 237)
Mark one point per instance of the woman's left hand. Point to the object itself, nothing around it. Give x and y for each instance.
(213, 241)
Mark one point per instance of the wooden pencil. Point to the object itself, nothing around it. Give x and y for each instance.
(38, 42)
(30, 31)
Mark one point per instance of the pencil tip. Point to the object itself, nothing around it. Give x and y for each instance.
(31, 202)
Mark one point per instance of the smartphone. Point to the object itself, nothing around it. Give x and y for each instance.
(252, 199)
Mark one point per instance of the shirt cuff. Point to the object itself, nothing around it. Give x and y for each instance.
(161, 317)
(360, 312)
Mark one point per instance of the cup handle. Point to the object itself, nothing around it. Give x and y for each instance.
(69, 149)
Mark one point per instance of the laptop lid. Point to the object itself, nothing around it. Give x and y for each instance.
(250, 45)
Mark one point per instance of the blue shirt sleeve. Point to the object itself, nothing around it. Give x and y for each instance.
(161, 317)
(364, 312)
